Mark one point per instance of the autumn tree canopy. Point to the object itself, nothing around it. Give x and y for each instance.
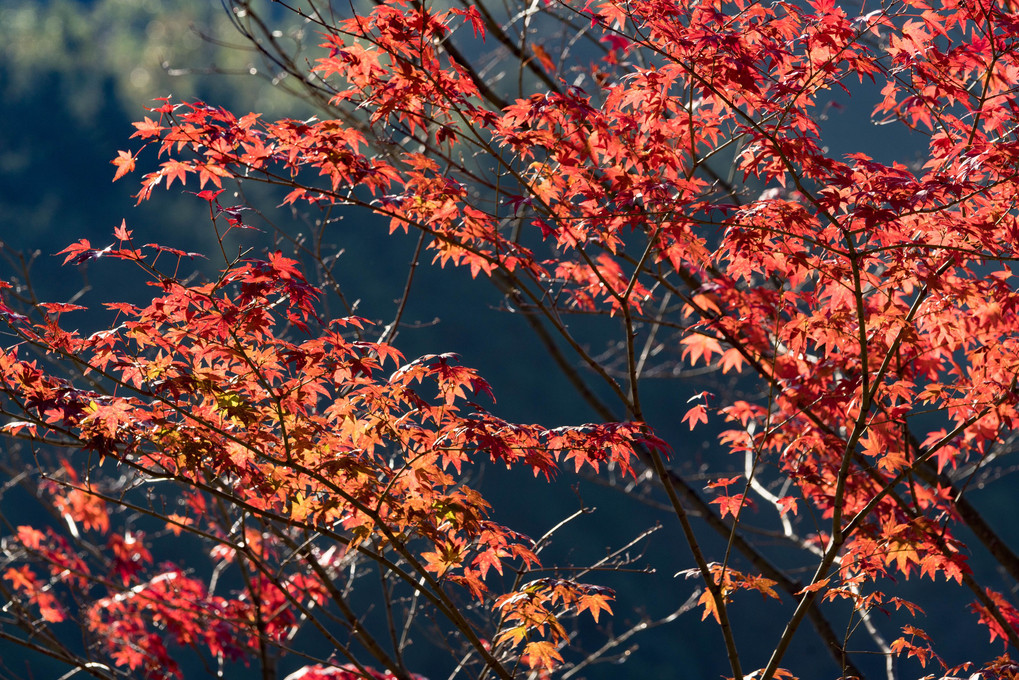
(651, 187)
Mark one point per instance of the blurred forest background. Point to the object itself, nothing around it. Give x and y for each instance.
(75, 74)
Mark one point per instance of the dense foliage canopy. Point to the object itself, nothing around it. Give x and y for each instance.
(650, 187)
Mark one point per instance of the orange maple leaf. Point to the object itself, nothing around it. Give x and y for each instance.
(124, 162)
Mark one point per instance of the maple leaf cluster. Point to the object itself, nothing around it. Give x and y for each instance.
(307, 438)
